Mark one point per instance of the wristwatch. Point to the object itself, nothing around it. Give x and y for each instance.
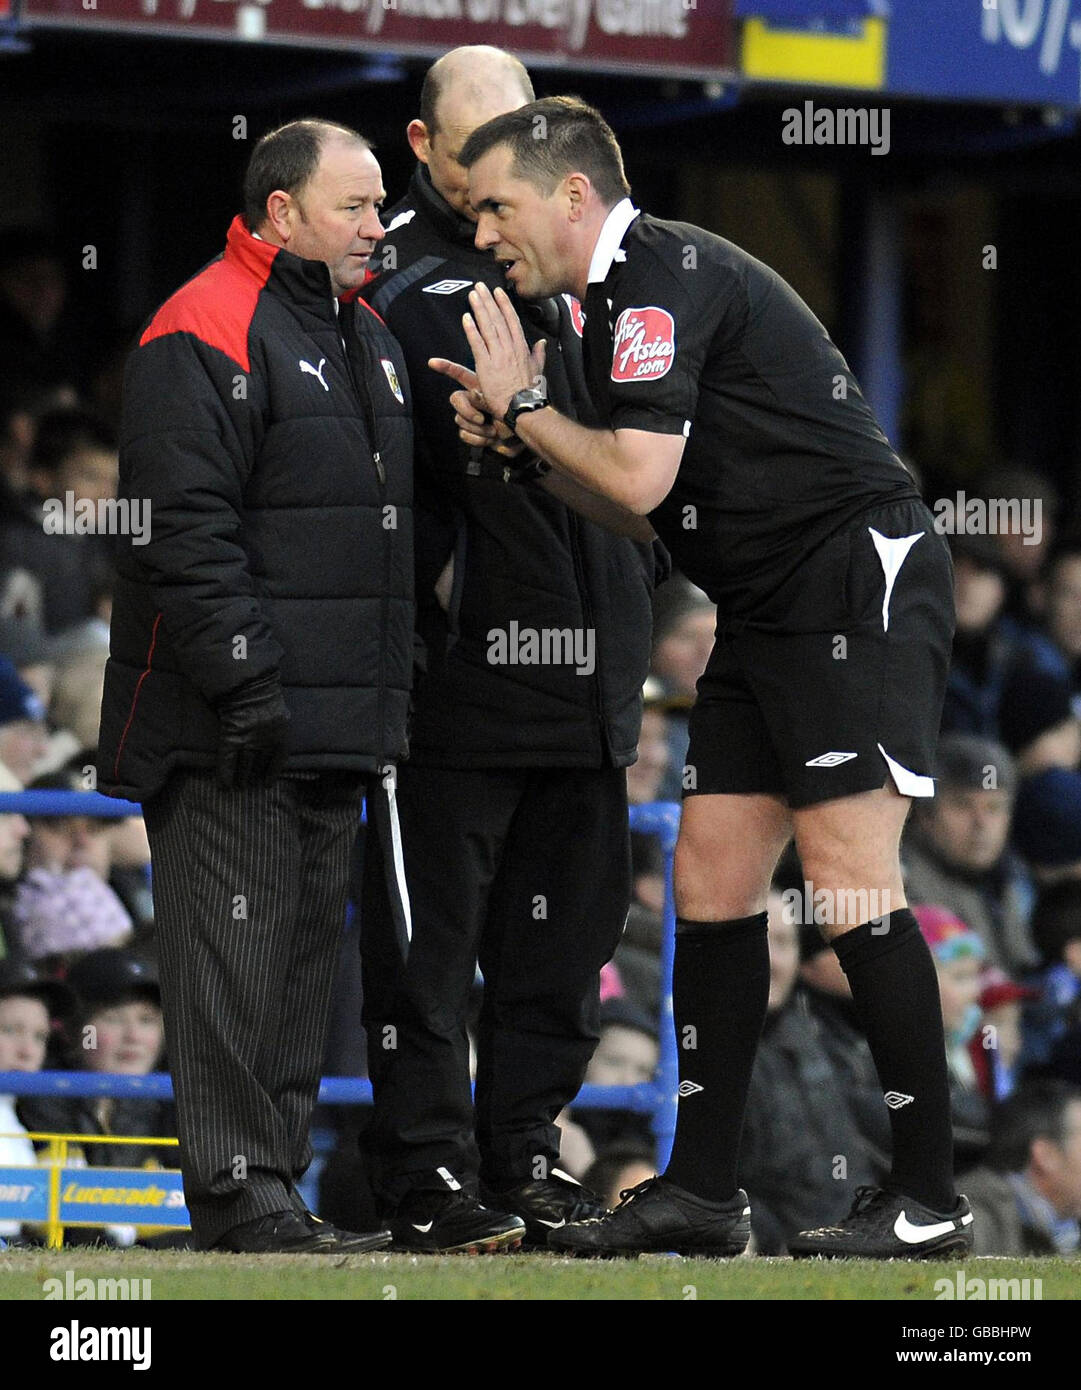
(531, 398)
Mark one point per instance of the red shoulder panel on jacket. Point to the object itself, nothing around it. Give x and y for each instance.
(353, 296)
(218, 304)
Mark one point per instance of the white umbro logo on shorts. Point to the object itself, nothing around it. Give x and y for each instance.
(895, 1099)
(830, 759)
(688, 1088)
(446, 286)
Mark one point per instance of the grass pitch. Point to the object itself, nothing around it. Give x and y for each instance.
(514, 1278)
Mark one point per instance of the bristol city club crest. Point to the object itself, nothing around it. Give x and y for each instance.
(577, 317)
(392, 378)
(645, 344)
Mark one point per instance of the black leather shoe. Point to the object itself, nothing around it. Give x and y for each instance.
(281, 1233)
(346, 1242)
(546, 1205)
(659, 1217)
(453, 1223)
(884, 1225)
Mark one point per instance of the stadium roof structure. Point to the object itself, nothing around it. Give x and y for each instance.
(1023, 52)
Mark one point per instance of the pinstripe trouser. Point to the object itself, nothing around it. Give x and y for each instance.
(249, 901)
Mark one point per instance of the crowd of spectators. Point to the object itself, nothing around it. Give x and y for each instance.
(993, 863)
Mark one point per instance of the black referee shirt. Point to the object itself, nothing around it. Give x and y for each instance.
(782, 449)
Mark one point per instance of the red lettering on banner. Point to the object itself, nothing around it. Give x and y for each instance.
(644, 346)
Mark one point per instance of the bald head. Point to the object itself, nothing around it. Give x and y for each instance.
(462, 90)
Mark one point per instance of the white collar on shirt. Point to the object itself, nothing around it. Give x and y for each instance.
(608, 243)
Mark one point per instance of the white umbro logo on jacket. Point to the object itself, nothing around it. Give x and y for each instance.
(317, 372)
(446, 287)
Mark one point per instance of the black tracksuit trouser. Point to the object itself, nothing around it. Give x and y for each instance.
(526, 872)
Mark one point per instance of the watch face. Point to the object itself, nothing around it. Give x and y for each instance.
(529, 398)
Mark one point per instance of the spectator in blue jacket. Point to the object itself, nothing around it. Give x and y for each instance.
(1056, 930)
(988, 646)
(1064, 606)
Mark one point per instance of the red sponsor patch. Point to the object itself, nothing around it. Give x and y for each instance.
(577, 317)
(644, 346)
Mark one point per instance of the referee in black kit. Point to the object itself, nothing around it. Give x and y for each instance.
(513, 802)
(734, 423)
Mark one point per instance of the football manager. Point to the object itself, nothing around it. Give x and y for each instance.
(260, 662)
(733, 423)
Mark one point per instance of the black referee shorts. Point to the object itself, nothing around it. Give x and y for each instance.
(839, 679)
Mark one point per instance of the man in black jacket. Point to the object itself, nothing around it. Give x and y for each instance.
(536, 629)
(261, 659)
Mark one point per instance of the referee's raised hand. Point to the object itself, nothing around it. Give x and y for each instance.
(478, 425)
(504, 362)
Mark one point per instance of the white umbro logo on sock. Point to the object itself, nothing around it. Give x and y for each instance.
(449, 1178)
(830, 759)
(895, 1099)
(688, 1088)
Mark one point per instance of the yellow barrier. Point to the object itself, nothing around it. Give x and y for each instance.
(57, 1157)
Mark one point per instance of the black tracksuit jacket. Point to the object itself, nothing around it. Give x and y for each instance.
(521, 556)
(277, 465)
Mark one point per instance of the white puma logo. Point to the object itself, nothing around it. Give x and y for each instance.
(315, 371)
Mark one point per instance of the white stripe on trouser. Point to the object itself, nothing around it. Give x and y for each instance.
(399, 858)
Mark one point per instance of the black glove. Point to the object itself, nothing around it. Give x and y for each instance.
(251, 746)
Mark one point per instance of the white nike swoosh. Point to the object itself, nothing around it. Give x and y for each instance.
(555, 1225)
(904, 1230)
(423, 1229)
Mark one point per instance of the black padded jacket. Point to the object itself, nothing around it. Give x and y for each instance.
(269, 433)
(532, 580)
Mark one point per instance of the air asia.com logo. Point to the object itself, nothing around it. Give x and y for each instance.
(545, 646)
(108, 516)
(644, 346)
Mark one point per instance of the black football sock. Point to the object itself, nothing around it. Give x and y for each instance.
(895, 990)
(720, 987)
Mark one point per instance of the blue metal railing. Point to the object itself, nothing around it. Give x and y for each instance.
(656, 1099)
